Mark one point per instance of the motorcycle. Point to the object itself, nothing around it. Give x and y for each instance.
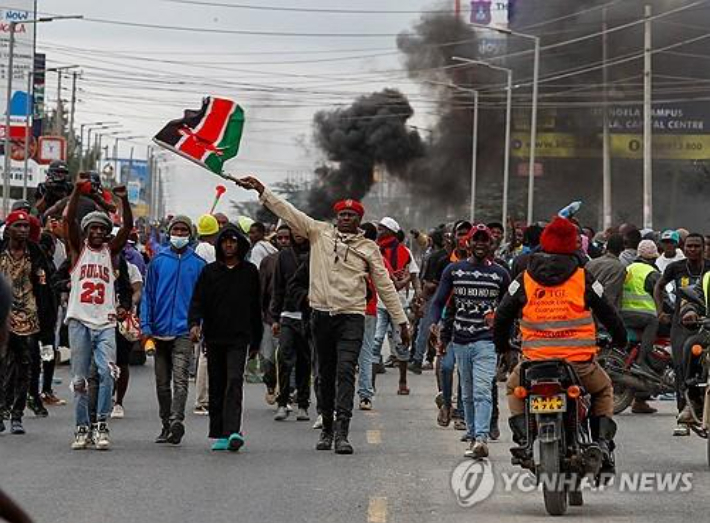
(697, 382)
(629, 377)
(558, 448)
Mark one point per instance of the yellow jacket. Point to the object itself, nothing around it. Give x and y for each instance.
(340, 264)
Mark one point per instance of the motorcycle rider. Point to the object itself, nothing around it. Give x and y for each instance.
(690, 316)
(638, 309)
(557, 302)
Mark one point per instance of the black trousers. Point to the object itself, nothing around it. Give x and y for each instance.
(679, 334)
(294, 351)
(225, 369)
(35, 369)
(48, 368)
(338, 340)
(16, 374)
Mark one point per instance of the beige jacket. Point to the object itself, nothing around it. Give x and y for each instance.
(340, 264)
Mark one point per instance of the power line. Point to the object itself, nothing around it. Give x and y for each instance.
(309, 9)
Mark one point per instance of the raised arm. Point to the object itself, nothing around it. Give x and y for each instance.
(299, 221)
(119, 242)
(74, 238)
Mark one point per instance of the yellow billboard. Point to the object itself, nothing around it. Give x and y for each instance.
(629, 146)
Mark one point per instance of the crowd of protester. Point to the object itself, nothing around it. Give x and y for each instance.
(312, 302)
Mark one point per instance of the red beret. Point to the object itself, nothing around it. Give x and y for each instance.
(17, 216)
(559, 237)
(352, 205)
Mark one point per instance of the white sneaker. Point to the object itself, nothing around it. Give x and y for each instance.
(82, 438)
(117, 412)
(102, 440)
(681, 429)
(318, 425)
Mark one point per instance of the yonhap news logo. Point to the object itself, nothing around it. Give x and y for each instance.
(473, 482)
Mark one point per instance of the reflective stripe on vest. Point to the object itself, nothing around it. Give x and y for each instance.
(706, 282)
(635, 298)
(556, 322)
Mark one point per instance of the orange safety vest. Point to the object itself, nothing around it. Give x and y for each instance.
(556, 322)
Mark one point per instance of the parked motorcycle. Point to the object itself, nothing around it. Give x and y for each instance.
(629, 377)
(558, 448)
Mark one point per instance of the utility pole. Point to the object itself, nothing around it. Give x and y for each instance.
(647, 124)
(28, 132)
(474, 155)
(533, 131)
(606, 136)
(72, 111)
(59, 120)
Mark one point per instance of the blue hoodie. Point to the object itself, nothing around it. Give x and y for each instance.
(169, 284)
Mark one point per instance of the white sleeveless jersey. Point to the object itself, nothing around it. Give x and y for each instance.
(92, 297)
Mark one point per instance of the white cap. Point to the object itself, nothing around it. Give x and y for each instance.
(391, 224)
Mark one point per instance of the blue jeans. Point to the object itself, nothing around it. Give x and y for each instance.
(425, 324)
(365, 361)
(397, 350)
(86, 343)
(477, 368)
(447, 364)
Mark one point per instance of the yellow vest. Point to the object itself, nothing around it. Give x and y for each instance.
(635, 297)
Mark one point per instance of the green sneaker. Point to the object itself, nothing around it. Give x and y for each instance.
(220, 444)
(235, 442)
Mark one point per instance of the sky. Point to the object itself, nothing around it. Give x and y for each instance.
(143, 77)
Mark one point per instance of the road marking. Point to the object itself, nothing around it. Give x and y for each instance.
(374, 437)
(377, 511)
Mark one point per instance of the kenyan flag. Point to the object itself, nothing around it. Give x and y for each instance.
(209, 137)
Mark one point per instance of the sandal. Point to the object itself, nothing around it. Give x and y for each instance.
(403, 391)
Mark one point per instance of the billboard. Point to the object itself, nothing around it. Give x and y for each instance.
(493, 13)
(134, 174)
(16, 11)
(681, 131)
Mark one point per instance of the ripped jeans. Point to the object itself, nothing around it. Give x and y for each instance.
(86, 343)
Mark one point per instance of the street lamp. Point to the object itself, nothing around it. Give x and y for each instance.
(533, 115)
(81, 139)
(99, 138)
(115, 147)
(88, 139)
(474, 141)
(508, 115)
(10, 73)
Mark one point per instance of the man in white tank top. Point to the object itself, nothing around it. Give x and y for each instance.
(91, 311)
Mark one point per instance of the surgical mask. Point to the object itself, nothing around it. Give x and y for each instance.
(179, 242)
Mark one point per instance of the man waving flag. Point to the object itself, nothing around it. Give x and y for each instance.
(209, 137)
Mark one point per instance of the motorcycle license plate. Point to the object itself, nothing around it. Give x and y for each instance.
(548, 404)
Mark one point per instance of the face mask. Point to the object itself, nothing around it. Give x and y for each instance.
(179, 242)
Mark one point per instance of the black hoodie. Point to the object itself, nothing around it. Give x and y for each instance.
(227, 302)
(553, 270)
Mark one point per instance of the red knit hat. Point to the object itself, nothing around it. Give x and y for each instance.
(559, 237)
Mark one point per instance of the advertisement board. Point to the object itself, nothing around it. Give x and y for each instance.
(16, 11)
(493, 13)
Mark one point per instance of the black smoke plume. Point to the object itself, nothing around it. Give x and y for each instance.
(571, 104)
(372, 131)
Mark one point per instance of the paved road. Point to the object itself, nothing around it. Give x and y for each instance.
(400, 472)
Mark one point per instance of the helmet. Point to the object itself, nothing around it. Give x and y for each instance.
(57, 171)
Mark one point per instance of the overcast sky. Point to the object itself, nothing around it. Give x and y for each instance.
(143, 77)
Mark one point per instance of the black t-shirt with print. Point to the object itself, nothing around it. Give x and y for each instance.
(680, 275)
